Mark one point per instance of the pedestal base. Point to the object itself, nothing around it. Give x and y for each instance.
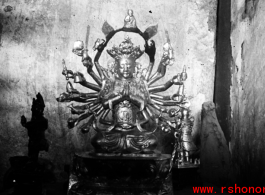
(113, 175)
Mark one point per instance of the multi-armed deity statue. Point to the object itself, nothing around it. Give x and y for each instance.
(125, 108)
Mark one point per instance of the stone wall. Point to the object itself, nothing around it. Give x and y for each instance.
(36, 35)
(247, 91)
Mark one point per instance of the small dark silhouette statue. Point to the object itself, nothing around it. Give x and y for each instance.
(36, 129)
(26, 174)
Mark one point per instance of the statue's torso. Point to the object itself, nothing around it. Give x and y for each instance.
(125, 111)
(125, 135)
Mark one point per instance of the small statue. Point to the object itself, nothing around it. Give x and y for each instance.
(98, 43)
(129, 20)
(168, 53)
(186, 146)
(36, 129)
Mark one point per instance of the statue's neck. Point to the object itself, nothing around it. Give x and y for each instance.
(125, 79)
(36, 116)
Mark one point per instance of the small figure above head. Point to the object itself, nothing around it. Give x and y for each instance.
(129, 20)
(130, 12)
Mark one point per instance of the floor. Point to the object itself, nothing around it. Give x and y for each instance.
(58, 189)
(188, 181)
(185, 182)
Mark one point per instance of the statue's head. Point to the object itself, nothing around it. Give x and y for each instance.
(38, 105)
(130, 12)
(125, 58)
(125, 67)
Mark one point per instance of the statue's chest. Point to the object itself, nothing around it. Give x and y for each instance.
(136, 88)
(131, 88)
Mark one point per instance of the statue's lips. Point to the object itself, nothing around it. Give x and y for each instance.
(125, 125)
(126, 74)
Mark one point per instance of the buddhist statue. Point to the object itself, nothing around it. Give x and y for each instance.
(125, 107)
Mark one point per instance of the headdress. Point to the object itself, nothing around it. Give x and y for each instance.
(125, 50)
(38, 103)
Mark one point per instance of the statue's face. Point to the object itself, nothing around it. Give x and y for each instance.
(130, 12)
(37, 111)
(126, 68)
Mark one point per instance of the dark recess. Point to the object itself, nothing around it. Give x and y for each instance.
(223, 61)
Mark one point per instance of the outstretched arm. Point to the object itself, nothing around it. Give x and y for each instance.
(146, 119)
(78, 109)
(112, 101)
(167, 103)
(164, 87)
(103, 118)
(68, 97)
(158, 108)
(160, 97)
(74, 122)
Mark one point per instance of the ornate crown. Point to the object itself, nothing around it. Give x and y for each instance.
(125, 50)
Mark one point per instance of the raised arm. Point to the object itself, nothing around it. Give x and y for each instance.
(79, 77)
(167, 59)
(87, 62)
(99, 46)
(150, 50)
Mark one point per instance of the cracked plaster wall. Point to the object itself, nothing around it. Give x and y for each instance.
(247, 91)
(36, 35)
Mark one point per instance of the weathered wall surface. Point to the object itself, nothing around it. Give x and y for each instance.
(215, 156)
(35, 35)
(247, 92)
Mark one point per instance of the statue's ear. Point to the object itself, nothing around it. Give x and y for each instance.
(150, 32)
(106, 28)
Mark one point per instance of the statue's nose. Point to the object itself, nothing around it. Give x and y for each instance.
(125, 67)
